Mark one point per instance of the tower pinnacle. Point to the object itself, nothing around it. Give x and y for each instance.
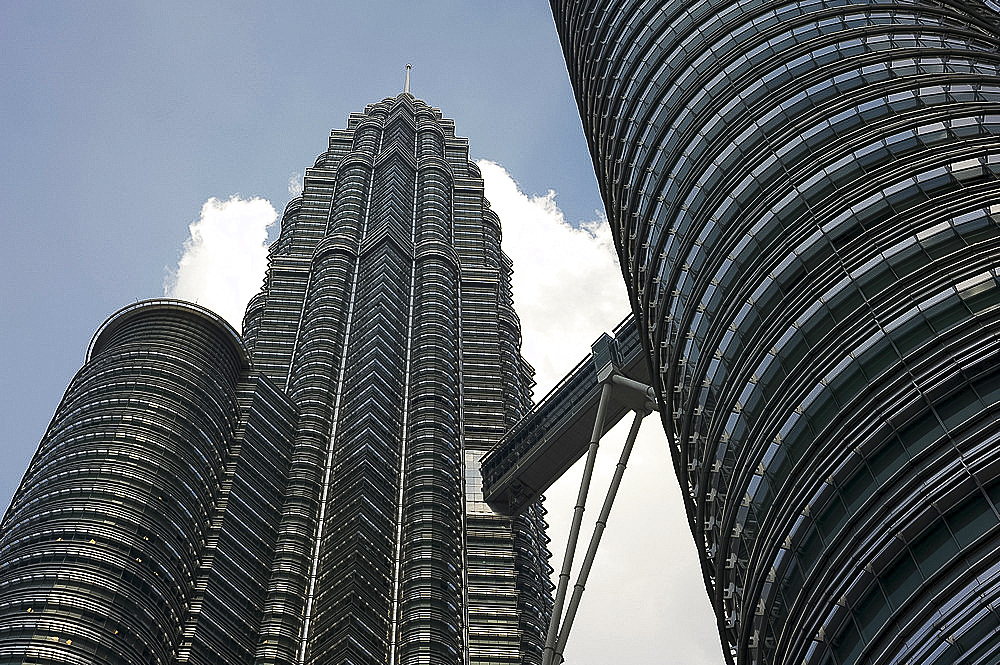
(406, 87)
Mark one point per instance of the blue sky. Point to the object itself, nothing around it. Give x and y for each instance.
(119, 121)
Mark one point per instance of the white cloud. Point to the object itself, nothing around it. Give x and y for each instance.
(568, 288)
(225, 257)
(645, 600)
(295, 184)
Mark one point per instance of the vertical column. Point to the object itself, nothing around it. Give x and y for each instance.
(355, 554)
(431, 594)
(314, 386)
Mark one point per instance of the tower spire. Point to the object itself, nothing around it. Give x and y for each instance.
(406, 87)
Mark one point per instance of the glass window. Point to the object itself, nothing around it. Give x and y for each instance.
(934, 549)
(832, 519)
(872, 612)
(847, 645)
(857, 490)
(921, 433)
(971, 519)
(900, 580)
(958, 408)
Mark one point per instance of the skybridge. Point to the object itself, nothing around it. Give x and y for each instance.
(592, 398)
(556, 432)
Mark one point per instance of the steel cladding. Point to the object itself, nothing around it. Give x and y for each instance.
(805, 202)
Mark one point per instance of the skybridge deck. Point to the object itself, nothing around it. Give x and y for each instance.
(557, 431)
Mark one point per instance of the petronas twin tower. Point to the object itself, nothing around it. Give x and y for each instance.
(387, 318)
(309, 493)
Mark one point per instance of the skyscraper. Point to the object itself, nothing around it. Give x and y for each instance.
(309, 493)
(804, 197)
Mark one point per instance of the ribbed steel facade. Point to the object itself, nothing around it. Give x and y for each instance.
(316, 498)
(104, 549)
(387, 317)
(805, 202)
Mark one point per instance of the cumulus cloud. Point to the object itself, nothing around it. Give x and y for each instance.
(295, 184)
(645, 597)
(224, 258)
(568, 288)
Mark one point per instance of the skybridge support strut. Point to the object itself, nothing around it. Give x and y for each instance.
(574, 529)
(595, 539)
(641, 398)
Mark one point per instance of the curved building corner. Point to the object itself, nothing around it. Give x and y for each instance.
(104, 546)
(804, 198)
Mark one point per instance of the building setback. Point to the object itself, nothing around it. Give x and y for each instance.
(309, 493)
(804, 197)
